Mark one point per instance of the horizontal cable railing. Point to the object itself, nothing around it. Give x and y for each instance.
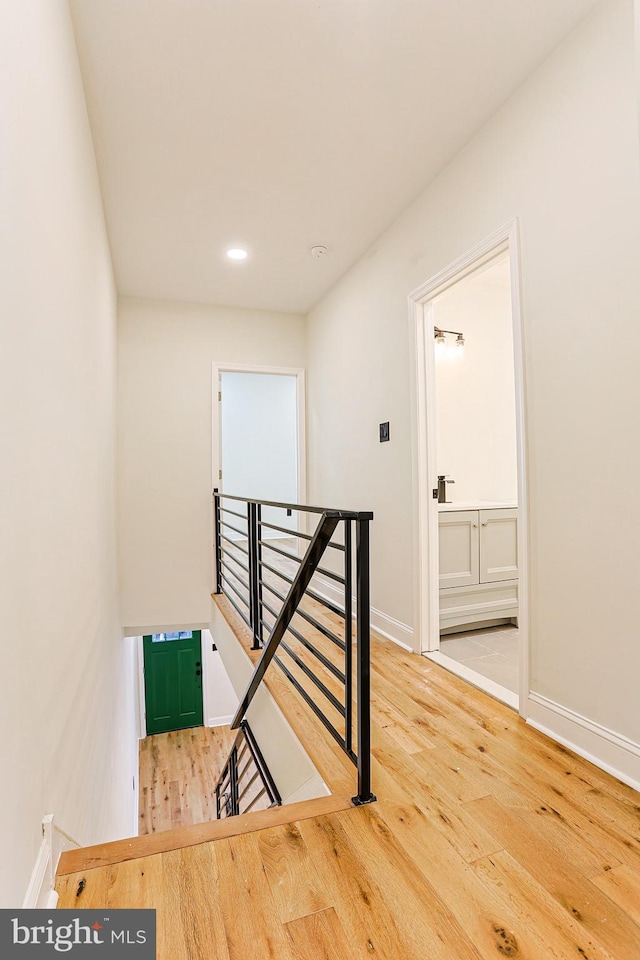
(245, 784)
(293, 588)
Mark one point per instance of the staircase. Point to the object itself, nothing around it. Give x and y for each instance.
(294, 616)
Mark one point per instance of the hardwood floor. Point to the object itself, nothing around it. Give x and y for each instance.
(178, 776)
(487, 841)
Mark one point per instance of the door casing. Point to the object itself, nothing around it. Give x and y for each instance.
(299, 374)
(423, 427)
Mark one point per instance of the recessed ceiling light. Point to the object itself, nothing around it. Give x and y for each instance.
(236, 253)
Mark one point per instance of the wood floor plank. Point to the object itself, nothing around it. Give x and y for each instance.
(524, 788)
(621, 885)
(485, 913)
(564, 935)
(450, 818)
(190, 924)
(251, 922)
(599, 916)
(361, 853)
(532, 799)
(359, 903)
(565, 827)
(623, 814)
(463, 779)
(289, 871)
(409, 736)
(318, 936)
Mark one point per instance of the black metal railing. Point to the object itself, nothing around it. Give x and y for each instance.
(300, 613)
(246, 783)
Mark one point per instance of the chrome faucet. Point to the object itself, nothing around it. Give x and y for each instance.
(442, 488)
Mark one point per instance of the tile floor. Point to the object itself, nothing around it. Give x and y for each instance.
(492, 652)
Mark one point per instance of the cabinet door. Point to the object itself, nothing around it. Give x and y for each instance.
(498, 545)
(458, 548)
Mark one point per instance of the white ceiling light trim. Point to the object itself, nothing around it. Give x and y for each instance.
(237, 253)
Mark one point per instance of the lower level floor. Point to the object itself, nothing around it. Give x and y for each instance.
(178, 776)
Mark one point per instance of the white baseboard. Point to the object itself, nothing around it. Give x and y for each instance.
(40, 892)
(382, 623)
(611, 751)
(40, 882)
(327, 589)
(392, 629)
(220, 721)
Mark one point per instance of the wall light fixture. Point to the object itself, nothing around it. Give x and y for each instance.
(451, 349)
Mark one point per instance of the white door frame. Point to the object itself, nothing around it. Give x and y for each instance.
(425, 508)
(301, 417)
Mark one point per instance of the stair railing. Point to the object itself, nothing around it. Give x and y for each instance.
(245, 783)
(291, 605)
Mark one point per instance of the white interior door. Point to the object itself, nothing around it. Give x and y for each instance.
(259, 453)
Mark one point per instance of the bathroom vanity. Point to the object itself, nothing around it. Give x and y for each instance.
(478, 548)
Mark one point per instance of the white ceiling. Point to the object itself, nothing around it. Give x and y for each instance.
(279, 124)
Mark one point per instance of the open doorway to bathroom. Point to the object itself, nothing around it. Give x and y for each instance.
(471, 583)
(476, 457)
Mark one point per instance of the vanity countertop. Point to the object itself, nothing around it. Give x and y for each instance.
(477, 505)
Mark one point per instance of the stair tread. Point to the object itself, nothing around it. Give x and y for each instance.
(132, 848)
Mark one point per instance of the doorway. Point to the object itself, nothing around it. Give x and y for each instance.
(471, 585)
(259, 438)
(173, 681)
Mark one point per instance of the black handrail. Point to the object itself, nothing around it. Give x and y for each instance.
(340, 717)
(303, 508)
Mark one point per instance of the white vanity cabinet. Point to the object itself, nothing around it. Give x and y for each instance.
(478, 566)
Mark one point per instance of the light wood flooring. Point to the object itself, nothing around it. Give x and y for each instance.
(178, 775)
(487, 841)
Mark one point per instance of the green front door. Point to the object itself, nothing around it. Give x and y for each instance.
(173, 681)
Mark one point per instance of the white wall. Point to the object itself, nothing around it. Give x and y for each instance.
(475, 395)
(166, 351)
(562, 156)
(259, 441)
(220, 700)
(66, 685)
